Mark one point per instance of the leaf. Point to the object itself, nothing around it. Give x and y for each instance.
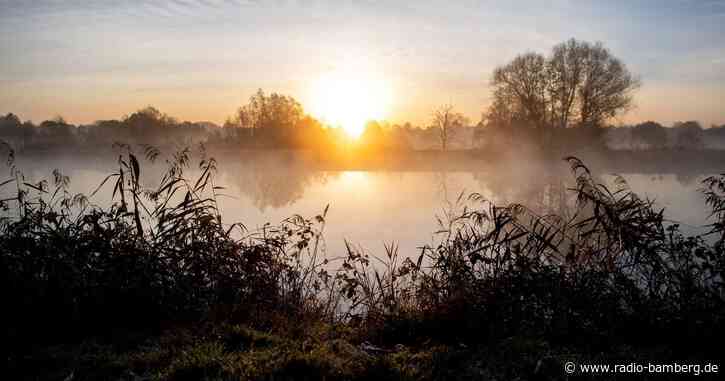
(136, 168)
(102, 183)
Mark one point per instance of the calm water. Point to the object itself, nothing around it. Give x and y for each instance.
(372, 208)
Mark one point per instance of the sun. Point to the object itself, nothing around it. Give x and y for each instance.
(349, 99)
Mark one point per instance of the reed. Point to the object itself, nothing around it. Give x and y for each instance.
(611, 271)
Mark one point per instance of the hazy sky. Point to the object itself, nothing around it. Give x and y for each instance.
(200, 59)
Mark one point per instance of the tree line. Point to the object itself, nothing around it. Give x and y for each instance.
(267, 121)
(569, 97)
(651, 135)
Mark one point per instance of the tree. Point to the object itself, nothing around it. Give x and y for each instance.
(651, 134)
(373, 135)
(272, 111)
(9, 121)
(58, 131)
(149, 117)
(689, 135)
(565, 71)
(268, 119)
(148, 125)
(578, 84)
(607, 86)
(446, 120)
(520, 88)
(11, 130)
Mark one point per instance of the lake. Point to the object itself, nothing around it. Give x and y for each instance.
(370, 208)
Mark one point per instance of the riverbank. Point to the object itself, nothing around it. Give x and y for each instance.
(156, 286)
(233, 352)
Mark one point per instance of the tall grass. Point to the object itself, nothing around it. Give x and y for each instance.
(152, 256)
(611, 270)
(614, 270)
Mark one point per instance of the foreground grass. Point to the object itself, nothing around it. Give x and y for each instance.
(158, 286)
(236, 352)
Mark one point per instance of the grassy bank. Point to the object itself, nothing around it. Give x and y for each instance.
(159, 286)
(233, 352)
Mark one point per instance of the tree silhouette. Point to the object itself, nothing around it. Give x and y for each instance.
(578, 84)
(57, 131)
(267, 111)
(689, 135)
(446, 120)
(270, 118)
(651, 134)
(520, 87)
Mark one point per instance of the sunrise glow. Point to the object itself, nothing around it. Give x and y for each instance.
(349, 99)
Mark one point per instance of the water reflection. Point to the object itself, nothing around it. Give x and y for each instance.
(354, 181)
(371, 208)
(544, 189)
(272, 186)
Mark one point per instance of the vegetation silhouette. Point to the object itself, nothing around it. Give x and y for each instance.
(610, 274)
(157, 284)
(539, 103)
(446, 121)
(555, 102)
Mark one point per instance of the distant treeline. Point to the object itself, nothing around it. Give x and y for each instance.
(150, 126)
(652, 135)
(558, 102)
(279, 124)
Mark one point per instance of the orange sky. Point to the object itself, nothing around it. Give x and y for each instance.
(199, 60)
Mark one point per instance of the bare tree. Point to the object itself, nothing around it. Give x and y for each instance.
(521, 87)
(578, 84)
(446, 120)
(565, 71)
(607, 87)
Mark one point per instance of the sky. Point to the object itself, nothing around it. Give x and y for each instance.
(200, 59)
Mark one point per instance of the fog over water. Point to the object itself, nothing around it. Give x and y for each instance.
(370, 208)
